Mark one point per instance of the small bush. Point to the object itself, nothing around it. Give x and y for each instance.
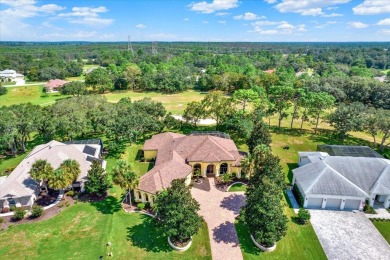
(141, 206)
(13, 208)
(1, 220)
(19, 214)
(303, 216)
(37, 211)
(70, 193)
(147, 205)
(368, 209)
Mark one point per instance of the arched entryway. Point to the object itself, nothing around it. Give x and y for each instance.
(223, 168)
(197, 168)
(210, 171)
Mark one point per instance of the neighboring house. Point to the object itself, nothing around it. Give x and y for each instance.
(10, 75)
(54, 85)
(342, 182)
(270, 71)
(179, 156)
(20, 190)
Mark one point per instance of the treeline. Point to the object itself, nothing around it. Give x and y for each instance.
(232, 115)
(78, 118)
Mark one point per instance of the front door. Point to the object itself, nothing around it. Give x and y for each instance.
(210, 170)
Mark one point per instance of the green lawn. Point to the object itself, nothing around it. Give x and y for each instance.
(10, 162)
(237, 187)
(300, 242)
(33, 94)
(384, 228)
(175, 103)
(82, 231)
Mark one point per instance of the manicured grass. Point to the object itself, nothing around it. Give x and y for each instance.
(300, 242)
(383, 228)
(174, 103)
(10, 162)
(237, 187)
(33, 94)
(82, 231)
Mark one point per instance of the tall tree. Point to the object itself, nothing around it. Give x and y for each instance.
(41, 170)
(177, 212)
(98, 182)
(74, 88)
(319, 102)
(263, 211)
(125, 177)
(71, 170)
(280, 97)
(99, 79)
(259, 136)
(59, 180)
(245, 96)
(346, 118)
(194, 112)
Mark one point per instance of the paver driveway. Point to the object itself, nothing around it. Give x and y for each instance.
(348, 235)
(219, 210)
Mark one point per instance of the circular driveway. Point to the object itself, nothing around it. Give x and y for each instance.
(219, 209)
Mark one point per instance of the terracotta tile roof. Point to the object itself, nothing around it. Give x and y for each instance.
(55, 83)
(175, 150)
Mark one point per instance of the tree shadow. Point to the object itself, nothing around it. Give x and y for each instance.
(108, 206)
(291, 167)
(115, 148)
(226, 233)
(147, 237)
(233, 202)
(246, 242)
(288, 131)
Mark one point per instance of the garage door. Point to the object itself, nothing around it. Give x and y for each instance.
(352, 204)
(333, 203)
(315, 203)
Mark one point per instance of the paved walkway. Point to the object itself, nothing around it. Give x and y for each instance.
(293, 201)
(219, 210)
(348, 235)
(380, 213)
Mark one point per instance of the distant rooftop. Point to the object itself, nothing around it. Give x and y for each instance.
(346, 150)
(212, 133)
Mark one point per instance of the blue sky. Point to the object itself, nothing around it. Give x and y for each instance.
(208, 20)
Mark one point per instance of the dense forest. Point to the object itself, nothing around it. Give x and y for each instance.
(345, 84)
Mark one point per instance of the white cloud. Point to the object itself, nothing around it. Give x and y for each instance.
(331, 15)
(27, 8)
(309, 8)
(248, 16)
(222, 14)
(282, 27)
(384, 22)
(358, 25)
(215, 5)
(186, 19)
(140, 26)
(384, 31)
(270, 1)
(87, 15)
(372, 7)
(205, 22)
(222, 22)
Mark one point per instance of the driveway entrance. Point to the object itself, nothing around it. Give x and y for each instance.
(219, 210)
(348, 235)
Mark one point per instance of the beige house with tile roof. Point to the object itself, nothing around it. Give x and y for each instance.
(179, 156)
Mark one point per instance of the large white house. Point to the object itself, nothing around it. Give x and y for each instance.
(342, 182)
(20, 190)
(10, 75)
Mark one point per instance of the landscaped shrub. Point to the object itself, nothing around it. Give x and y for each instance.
(298, 196)
(19, 214)
(141, 206)
(303, 216)
(37, 211)
(368, 209)
(70, 193)
(1, 220)
(13, 208)
(147, 205)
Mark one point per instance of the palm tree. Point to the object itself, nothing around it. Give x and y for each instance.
(71, 169)
(125, 177)
(41, 170)
(59, 180)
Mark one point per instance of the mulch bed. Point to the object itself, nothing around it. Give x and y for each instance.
(46, 199)
(129, 208)
(204, 185)
(49, 213)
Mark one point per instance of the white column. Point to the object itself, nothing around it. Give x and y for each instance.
(323, 203)
(372, 200)
(216, 169)
(342, 204)
(386, 203)
(305, 203)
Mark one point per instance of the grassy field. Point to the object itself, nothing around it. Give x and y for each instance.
(300, 242)
(237, 187)
(384, 228)
(175, 103)
(82, 231)
(33, 94)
